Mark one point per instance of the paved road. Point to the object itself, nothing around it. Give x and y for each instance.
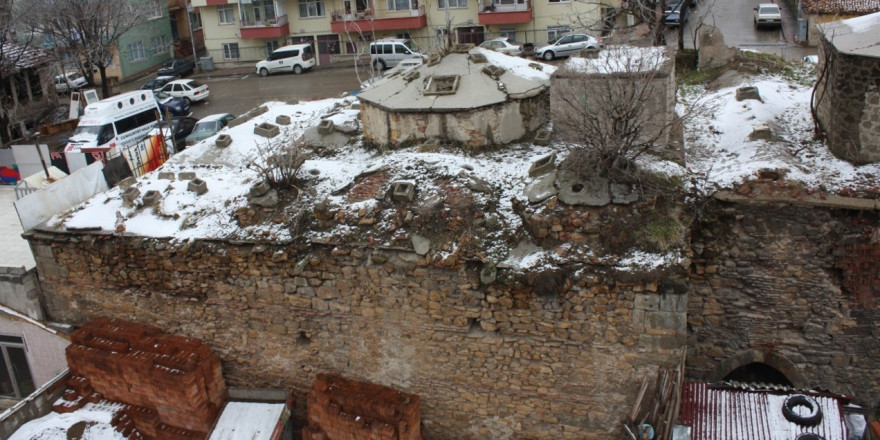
(238, 94)
(735, 20)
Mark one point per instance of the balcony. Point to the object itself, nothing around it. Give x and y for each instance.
(273, 28)
(381, 20)
(505, 12)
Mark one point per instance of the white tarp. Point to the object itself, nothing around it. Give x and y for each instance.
(35, 208)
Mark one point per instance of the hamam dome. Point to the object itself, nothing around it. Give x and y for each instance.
(475, 97)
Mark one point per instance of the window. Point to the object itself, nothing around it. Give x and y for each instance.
(226, 14)
(230, 51)
(559, 1)
(452, 3)
(509, 33)
(399, 5)
(270, 47)
(554, 32)
(311, 8)
(16, 380)
(154, 9)
(160, 45)
(195, 20)
(136, 51)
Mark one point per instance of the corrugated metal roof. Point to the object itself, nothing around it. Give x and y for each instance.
(844, 7)
(724, 413)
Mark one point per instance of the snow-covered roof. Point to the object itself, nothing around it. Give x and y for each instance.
(620, 59)
(16, 57)
(855, 36)
(841, 7)
(520, 79)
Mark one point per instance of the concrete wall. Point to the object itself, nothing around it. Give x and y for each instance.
(792, 287)
(499, 124)
(20, 290)
(849, 104)
(496, 361)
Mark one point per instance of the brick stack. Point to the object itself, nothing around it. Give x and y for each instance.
(173, 386)
(341, 409)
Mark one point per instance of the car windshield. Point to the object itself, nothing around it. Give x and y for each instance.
(411, 46)
(769, 10)
(205, 127)
(88, 129)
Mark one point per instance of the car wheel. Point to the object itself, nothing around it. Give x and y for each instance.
(188, 101)
(548, 55)
(297, 69)
(264, 72)
(380, 65)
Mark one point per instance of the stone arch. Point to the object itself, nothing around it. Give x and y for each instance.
(777, 361)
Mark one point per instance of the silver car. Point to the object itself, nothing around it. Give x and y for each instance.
(568, 45)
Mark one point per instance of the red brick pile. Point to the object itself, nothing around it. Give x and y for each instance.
(172, 386)
(341, 409)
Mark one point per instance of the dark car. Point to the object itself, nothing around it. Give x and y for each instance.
(157, 83)
(176, 67)
(180, 129)
(175, 106)
(676, 13)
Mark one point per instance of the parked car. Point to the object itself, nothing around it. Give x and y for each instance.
(175, 106)
(387, 52)
(676, 13)
(295, 58)
(180, 129)
(177, 67)
(69, 81)
(157, 83)
(502, 45)
(208, 126)
(767, 14)
(189, 89)
(568, 45)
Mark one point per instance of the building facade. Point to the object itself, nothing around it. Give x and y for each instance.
(244, 31)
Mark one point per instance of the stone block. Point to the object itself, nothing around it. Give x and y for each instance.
(197, 186)
(282, 120)
(129, 196)
(166, 175)
(748, 92)
(326, 126)
(186, 175)
(267, 130)
(259, 189)
(151, 198)
(223, 141)
(545, 164)
(541, 189)
(127, 182)
(403, 191)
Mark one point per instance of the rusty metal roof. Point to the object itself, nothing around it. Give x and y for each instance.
(720, 412)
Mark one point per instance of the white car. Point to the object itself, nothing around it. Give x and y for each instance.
(191, 90)
(568, 45)
(502, 45)
(69, 82)
(767, 14)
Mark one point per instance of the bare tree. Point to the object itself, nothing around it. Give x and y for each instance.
(611, 15)
(16, 52)
(89, 29)
(614, 107)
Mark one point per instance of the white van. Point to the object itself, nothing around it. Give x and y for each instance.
(69, 81)
(388, 52)
(118, 121)
(294, 58)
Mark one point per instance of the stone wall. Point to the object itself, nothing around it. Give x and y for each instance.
(487, 361)
(793, 287)
(848, 104)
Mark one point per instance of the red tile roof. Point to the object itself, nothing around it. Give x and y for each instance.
(845, 7)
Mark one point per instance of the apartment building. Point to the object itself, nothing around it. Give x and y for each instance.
(244, 31)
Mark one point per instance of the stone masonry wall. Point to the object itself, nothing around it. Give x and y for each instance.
(849, 105)
(791, 287)
(493, 361)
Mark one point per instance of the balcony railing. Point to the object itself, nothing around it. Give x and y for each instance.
(370, 14)
(272, 22)
(505, 12)
(505, 6)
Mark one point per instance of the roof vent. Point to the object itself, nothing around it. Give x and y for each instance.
(493, 71)
(477, 58)
(442, 85)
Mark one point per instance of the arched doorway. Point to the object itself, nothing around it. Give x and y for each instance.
(758, 372)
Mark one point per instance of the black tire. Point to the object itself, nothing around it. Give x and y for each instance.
(264, 72)
(809, 436)
(811, 419)
(548, 55)
(297, 69)
(380, 65)
(188, 101)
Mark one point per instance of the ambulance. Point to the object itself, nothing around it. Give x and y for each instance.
(116, 122)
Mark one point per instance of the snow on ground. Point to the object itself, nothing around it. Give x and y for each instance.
(54, 426)
(719, 151)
